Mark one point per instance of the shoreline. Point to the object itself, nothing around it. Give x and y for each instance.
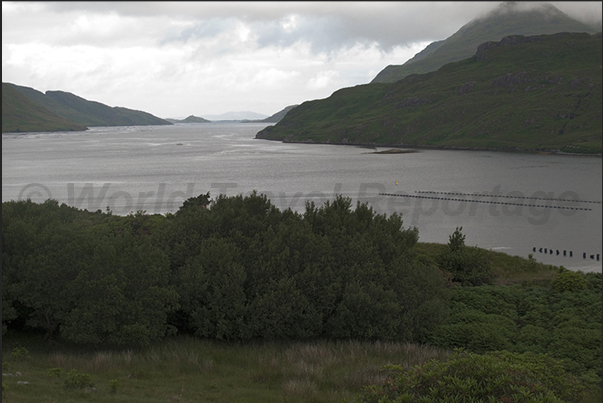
(428, 147)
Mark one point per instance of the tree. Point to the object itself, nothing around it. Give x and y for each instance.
(469, 266)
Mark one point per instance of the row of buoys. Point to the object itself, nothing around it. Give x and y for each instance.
(508, 197)
(571, 253)
(486, 202)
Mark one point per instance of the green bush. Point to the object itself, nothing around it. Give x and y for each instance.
(566, 325)
(568, 280)
(20, 353)
(466, 377)
(55, 372)
(113, 384)
(78, 380)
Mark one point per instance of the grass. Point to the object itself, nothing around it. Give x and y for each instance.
(186, 369)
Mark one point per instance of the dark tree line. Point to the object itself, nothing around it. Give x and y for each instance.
(235, 268)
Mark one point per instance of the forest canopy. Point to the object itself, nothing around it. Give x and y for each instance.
(233, 268)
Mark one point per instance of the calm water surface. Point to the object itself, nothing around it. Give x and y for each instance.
(508, 202)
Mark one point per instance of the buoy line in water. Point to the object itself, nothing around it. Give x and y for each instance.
(487, 201)
(508, 197)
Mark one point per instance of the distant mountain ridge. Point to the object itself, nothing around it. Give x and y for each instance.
(509, 18)
(536, 93)
(277, 117)
(72, 108)
(235, 115)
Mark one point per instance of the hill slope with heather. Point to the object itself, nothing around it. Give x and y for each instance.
(523, 93)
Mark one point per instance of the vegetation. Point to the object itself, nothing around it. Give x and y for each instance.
(522, 93)
(188, 369)
(566, 325)
(466, 265)
(239, 270)
(271, 305)
(467, 377)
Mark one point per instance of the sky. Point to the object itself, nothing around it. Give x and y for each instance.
(175, 59)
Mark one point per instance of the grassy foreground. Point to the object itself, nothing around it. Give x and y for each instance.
(185, 369)
(188, 369)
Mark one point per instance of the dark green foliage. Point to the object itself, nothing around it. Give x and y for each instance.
(565, 325)
(568, 280)
(246, 270)
(235, 268)
(469, 266)
(467, 377)
(78, 380)
(85, 277)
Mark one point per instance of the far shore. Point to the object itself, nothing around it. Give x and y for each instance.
(415, 148)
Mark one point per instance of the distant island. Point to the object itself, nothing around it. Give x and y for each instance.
(235, 117)
(190, 119)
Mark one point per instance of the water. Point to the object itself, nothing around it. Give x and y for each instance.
(553, 202)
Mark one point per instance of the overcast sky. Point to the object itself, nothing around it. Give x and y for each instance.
(176, 59)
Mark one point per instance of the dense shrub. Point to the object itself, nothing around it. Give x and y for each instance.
(247, 270)
(469, 266)
(566, 325)
(84, 277)
(467, 377)
(234, 268)
(568, 280)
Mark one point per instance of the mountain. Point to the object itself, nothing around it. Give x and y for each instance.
(243, 115)
(277, 117)
(20, 114)
(508, 19)
(522, 93)
(83, 112)
(190, 119)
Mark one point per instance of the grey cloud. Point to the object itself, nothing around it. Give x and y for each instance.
(325, 25)
(345, 23)
(324, 34)
(201, 29)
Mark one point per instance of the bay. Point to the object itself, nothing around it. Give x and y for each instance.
(520, 204)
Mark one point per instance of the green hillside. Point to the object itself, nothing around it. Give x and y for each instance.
(506, 20)
(20, 114)
(72, 110)
(522, 93)
(277, 117)
(89, 113)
